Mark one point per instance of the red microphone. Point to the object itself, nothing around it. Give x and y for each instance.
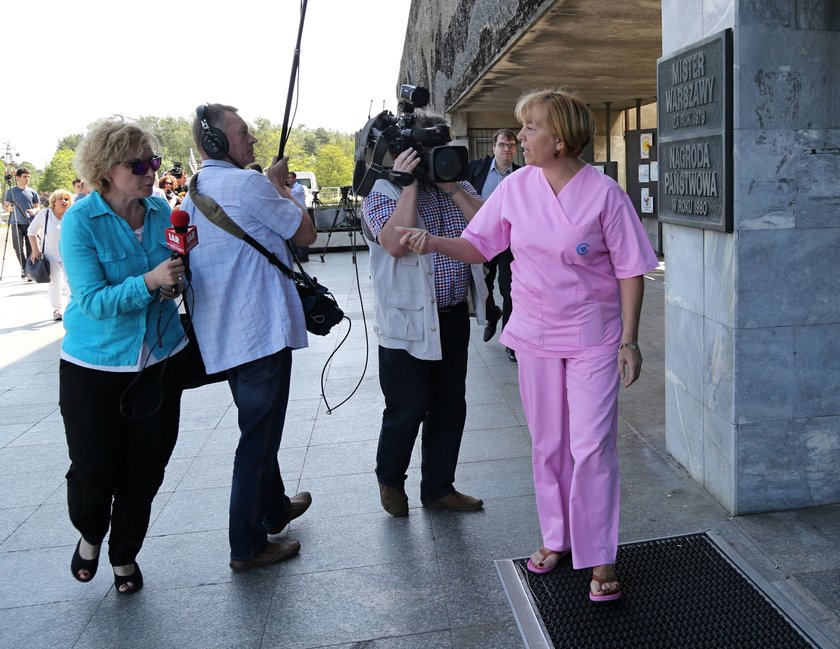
(181, 238)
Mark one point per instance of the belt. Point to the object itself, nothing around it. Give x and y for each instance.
(451, 307)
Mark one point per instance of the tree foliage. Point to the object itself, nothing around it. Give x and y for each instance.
(328, 153)
(59, 173)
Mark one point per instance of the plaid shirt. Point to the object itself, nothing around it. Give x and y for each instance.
(441, 217)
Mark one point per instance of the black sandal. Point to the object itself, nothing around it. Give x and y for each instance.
(135, 579)
(77, 564)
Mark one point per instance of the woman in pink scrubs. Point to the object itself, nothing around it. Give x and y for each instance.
(580, 253)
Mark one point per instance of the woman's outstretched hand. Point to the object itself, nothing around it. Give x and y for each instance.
(415, 239)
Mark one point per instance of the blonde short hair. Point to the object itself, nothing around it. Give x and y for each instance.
(566, 116)
(58, 193)
(109, 142)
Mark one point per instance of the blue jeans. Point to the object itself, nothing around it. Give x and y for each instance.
(258, 497)
(427, 393)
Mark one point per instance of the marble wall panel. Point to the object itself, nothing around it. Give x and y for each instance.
(771, 13)
(765, 186)
(684, 250)
(719, 378)
(789, 85)
(789, 277)
(684, 436)
(765, 376)
(818, 14)
(718, 15)
(719, 459)
(684, 358)
(817, 371)
(788, 464)
(682, 24)
(720, 274)
(818, 171)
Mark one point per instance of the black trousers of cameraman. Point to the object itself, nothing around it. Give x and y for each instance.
(23, 249)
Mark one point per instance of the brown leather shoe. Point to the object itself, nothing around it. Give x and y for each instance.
(300, 503)
(456, 501)
(272, 553)
(393, 499)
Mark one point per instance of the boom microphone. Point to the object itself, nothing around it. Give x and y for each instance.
(181, 238)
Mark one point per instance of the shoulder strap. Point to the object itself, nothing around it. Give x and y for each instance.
(46, 223)
(217, 216)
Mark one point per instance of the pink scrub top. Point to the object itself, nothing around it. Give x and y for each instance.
(570, 249)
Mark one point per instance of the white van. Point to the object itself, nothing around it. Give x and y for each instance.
(310, 184)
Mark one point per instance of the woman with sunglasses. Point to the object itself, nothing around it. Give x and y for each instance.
(119, 385)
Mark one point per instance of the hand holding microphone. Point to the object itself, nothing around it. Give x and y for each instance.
(180, 239)
(166, 278)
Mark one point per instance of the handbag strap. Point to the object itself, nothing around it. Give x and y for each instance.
(217, 216)
(46, 224)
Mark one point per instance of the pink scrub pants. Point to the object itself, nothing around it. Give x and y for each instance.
(571, 405)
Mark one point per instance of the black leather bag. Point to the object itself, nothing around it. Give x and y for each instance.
(194, 374)
(320, 309)
(38, 271)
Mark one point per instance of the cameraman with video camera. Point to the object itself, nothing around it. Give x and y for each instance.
(422, 320)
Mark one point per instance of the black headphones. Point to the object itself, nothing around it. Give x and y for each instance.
(214, 142)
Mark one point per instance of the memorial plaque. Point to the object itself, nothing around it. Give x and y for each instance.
(694, 105)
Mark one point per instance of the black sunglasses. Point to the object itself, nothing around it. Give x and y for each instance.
(139, 167)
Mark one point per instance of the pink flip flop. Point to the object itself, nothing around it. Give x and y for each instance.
(545, 553)
(610, 597)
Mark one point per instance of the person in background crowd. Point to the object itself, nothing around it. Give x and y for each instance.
(120, 374)
(44, 235)
(581, 253)
(258, 366)
(22, 203)
(299, 194)
(423, 325)
(82, 190)
(485, 174)
(167, 186)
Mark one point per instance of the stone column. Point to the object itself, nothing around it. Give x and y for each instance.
(752, 317)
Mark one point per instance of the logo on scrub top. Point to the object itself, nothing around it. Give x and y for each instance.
(582, 248)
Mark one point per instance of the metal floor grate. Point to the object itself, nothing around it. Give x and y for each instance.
(678, 592)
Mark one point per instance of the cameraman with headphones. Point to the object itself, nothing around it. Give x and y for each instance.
(251, 339)
(422, 321)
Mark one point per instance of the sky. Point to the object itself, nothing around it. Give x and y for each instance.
(90, 59)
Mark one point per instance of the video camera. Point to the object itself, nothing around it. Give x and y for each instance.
(177, 170)
(386, 136)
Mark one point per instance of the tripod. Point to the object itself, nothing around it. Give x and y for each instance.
(350, 223)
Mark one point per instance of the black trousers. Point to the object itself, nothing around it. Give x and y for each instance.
(119, 437)
(431, 393)
(502, 262)
(23, 249)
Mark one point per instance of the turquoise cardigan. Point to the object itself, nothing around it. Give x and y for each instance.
(111, 312)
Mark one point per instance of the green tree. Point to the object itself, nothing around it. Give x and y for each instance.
(70, 141)
(333, 166)
(174, 135)
(59, 173)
